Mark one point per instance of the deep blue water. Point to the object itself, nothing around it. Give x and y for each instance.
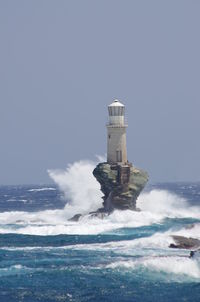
(125, 257)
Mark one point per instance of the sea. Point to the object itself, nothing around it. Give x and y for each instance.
(123, 257)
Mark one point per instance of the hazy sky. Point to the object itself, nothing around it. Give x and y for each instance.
(63, 62)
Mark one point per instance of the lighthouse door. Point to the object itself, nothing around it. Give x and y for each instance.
(119, 156)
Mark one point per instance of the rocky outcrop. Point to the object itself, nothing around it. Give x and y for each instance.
(100, 213)
(182, 242)
(75, 217)
(120, 184)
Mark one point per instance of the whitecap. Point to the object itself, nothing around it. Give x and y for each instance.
(169, 265)
(42, 189)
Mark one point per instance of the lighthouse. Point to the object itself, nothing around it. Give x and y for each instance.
(116, 134)
(120, 181)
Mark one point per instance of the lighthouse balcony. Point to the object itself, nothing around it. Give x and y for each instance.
(117, 125)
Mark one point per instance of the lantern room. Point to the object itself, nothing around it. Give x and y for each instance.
(116, 112)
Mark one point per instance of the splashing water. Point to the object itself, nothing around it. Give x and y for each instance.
(172, 265)
(167, 204)
(79, 187)
(83, 192)
(124, 253)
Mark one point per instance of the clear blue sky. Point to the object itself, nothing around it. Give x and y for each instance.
(63, 62)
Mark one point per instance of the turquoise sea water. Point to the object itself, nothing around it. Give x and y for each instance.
(125, 257)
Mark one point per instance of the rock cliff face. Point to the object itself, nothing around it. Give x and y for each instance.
(120, 184)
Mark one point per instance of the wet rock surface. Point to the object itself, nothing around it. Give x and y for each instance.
(182, 242)
(76, 217)
(120, 184)
(100, 213)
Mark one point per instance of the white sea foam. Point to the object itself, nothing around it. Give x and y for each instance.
(53, 222)
(41, 189)
(79, 186)
(167, 204)
(193, 231)
(158, 241)
(83, 192)
(16, 266)
(13, 270)
(171, 265)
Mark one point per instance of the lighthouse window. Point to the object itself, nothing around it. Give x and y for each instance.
(109, 136)
(116, 110)
(121, 109)
(119, 156)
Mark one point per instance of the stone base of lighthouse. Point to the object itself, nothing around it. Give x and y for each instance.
(121, 185)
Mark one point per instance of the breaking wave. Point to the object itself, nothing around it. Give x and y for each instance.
(170, 265)
(164, 203)
(79, 187)
(83, 193)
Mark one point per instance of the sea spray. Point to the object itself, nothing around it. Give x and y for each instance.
(54, 222)
(177, 266)
(79, 187)
(167, 204)
(83, 195)
(127, 247)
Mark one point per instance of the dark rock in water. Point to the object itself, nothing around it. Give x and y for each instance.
(195, 254)
(99, 214)
(182, 242)
(192, 253)
(121, 185)
(76, 217)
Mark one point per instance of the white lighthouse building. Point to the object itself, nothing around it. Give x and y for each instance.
(116, 131)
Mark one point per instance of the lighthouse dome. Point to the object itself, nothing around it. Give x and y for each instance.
(116, 103)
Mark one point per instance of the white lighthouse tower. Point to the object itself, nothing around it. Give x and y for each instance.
(116, 130)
